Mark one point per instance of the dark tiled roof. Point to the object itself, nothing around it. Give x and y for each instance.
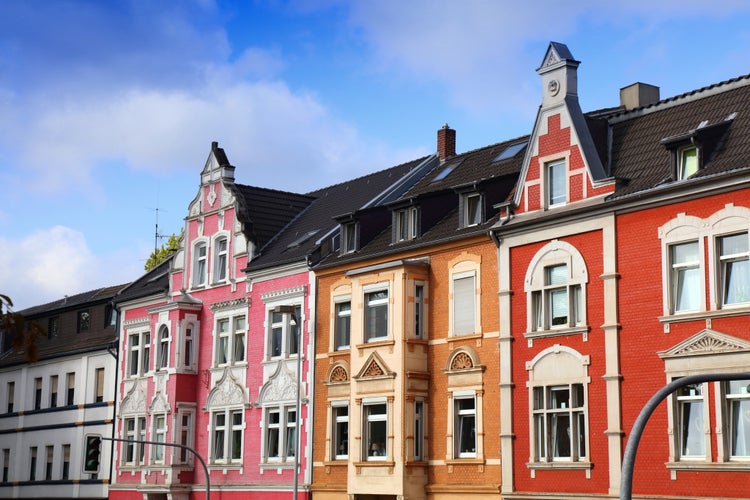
(264, 212)
(298, 239)
(73, 301)
(68, 341)
(153, 282)
(471, 167)
(479, 167)
(641, 162)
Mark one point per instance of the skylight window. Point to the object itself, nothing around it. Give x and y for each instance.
(306, 236)
(511, 151)
(446, 170)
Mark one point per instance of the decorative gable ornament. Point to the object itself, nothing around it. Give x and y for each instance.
(281, 386)
(705, 343)
(374, 368)
(228, 392)
(134, 403)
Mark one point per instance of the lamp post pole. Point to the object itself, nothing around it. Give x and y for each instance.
(290, 310)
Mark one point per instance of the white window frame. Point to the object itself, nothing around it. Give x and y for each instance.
(136, 433)
(184, 430)
(159, 432)
(551, 169)
(461, 416)
(280, 433)
(471, 217)
(736, 407)
(349, 236)
(189, 343)
(698, 433)
(138, 354)
(737, 262)
(223, 436)
(554, 370)
(162, 348)
(342, 315)
(683, 169)
(374, 451)
(199, 268)
(405, 224)
(220, 259)
(730, 220)
(230, 347)
(372, 300)
(287, 330)
(340, 442)
(539, 291)
(464, 309)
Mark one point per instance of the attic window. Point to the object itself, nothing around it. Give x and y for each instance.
(405, 224)
(348, 237)
(511, 151)
(693, 150)
(687, 162)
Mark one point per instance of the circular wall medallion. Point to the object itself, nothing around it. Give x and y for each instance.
(553, 87)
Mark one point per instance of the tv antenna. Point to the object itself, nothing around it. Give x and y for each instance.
(158, 236)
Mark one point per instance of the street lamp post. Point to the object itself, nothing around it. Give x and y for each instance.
(290, 310)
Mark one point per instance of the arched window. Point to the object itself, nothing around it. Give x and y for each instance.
(555, 288)
(558, 408)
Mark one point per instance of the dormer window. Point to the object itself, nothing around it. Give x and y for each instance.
(556, 183)
(405, 224)
(692, 150)
(471, 209)
(687, 162)
(348, 237)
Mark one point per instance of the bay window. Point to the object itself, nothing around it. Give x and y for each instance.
(376, 315)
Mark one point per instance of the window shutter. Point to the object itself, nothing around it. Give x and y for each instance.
(463, 305)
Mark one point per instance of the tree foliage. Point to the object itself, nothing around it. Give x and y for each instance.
(162, 253)
(25, 334)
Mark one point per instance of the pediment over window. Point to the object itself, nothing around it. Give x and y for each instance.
(134, 403)
(227, 392)
(374, 368)
(281, 386)
(707, 342)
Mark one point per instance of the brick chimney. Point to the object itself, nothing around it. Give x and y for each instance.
(446, 142)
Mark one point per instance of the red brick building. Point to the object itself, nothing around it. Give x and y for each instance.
(623, 265)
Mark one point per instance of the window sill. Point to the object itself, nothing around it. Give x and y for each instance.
(585, 466)
(702, 465)
(558, 332)
(376, 343)
(667, 320)
(465, 461)
(375, 463)
(464, 336)
(277, 465)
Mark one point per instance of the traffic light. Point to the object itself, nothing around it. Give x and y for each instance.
(92, 454)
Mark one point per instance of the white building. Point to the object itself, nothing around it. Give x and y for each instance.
(49, 405)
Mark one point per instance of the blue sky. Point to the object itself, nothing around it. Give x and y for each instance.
(108, 108)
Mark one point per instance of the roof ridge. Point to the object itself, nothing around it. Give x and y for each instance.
(371, 174)
(689, 96)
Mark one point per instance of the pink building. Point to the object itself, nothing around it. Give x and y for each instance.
(217, 360)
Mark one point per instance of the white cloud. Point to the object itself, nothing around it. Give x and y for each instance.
(53, 262)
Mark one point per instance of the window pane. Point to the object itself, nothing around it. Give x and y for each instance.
(560, 427)
(736, 281)
(556, 178)
(376, 315)
(375, 430)
(738, 396)
(236, 435)
(690, 413)
(276, 341)
(688, 163)
(686, 276)
(463, 305)
(341, 431)
(343, 324)
(559, 306)
(466, 426)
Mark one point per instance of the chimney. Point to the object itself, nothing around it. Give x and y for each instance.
(638, 95)
(446, 142)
